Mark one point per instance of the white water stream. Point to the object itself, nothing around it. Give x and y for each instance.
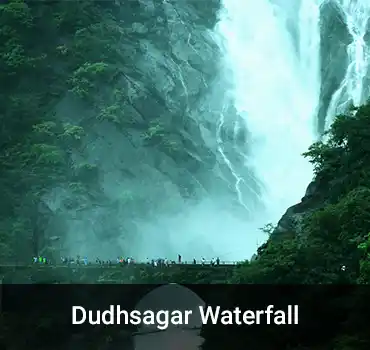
(356, 14)
(271, 59)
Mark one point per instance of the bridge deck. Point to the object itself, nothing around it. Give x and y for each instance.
(132, 273)
(113, 266)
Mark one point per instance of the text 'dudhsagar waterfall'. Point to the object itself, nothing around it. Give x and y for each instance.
(271, 59)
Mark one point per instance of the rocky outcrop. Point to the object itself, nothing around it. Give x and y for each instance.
(290, 222)
(334, 60)
(150, 141)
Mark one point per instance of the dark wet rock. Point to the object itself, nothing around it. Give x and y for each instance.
(291, 221)
(334, 60)
(254, 257)
(151, 134)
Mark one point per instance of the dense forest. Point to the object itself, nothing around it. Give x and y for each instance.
(50, 49)
(45, 47)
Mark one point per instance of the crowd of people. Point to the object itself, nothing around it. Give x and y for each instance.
(160, 262)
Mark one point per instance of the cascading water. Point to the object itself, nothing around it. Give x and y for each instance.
(271, 59)
(274, 54)
(356, 14)
(274, 72)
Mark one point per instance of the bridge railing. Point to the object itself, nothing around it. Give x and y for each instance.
(208, 262)
(114, 263)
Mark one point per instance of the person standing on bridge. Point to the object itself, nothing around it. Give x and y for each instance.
(179, 259)
(203, 261)
(218, 261)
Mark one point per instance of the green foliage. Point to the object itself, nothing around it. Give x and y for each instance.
(341, 161)
(78, 56)
(155, 132)
(86, 78)
(268, 229)
(364, 248)
(112, 114)
(72, 131)
(46, 49)
(335, 232)
(52, 55)
(160, 135)
(280, 262)
(333, 243)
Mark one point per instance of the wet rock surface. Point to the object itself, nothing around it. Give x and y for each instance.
(291, 221)
(334, 60)
(151, 144)
(335, 38)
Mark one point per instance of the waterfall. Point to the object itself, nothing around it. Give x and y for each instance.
(271, 56)
(356, 14)
(272, 63)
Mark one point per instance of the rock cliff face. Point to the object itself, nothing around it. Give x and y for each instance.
(150, 144)
(143, 98)
(337, 32)
(334, 61)
(290, 222)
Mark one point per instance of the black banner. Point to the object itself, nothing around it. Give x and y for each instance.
(216, 316)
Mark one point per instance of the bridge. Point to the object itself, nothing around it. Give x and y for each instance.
(116, 274)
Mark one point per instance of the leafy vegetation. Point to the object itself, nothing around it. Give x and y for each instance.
(335, 234)
(44, 53)
(64, 68)
(53, 54)
(331, 245)
(53, 51)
